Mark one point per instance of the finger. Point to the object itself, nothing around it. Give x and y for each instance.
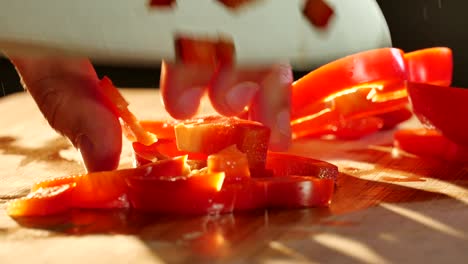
(271, 105)
(66, 92)
(232, 90)
(182, 87)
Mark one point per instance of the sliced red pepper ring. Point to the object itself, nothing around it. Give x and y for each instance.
(356, 128)
(211, 134)
(379, 67)
(93, 190)
(441, 107)
(43, 201)
(431, 65)
(353, 128)
(393, 118)
(193, 194)
(317, 12)
(109, 189)
(249, 194)
(298, 191)
(356, 102)
(429, 143)
(283, 164)
(132, 127)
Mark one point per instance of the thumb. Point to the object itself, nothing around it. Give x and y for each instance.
(66, 92)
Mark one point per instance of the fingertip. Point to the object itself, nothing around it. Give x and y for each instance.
(182, 87)
(272, 106)
(281, 133)
(97, 158)
(230, 92)
(187, 104)
(97, 134)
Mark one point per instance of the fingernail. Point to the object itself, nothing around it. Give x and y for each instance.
(188, 103)
(240, 95)
(281, 132)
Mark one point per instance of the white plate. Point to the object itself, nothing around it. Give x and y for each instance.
(127, 31)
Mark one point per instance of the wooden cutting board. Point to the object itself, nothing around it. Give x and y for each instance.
(388, 207)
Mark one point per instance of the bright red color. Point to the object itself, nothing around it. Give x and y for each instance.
(298, 191)
(249, 194)
(234, 4)
(317, 12)
(379, 67)
(357, 102)
(283, 164)
(431, 65)
(161, 3)
(357, 86)
(441, 107)
(193, 194)
(351, 129)
(430, 143)
(393, 118)
(356, 128)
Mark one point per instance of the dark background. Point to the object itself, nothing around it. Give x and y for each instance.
(413, 24)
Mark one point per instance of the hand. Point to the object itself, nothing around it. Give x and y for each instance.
(66, 92)
(264, 91)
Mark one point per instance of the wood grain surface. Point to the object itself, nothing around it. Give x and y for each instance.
(389, 207)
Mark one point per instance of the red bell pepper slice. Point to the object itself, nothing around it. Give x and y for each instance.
(211, 134)
(193, 194)
(232, 162)
(109, 189)
(248, 194)
(431, 65)
(429, 143)
(356, 128)
(441, 107)
(393, 118)
(41, 202)
(132, 127)
(283, 164)
(298, 191)
(299, 181)
(353, 128)
(382, 67)
(353, 103)
(317, 12)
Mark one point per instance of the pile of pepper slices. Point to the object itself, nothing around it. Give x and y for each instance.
(222, 164)
(219, 164)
